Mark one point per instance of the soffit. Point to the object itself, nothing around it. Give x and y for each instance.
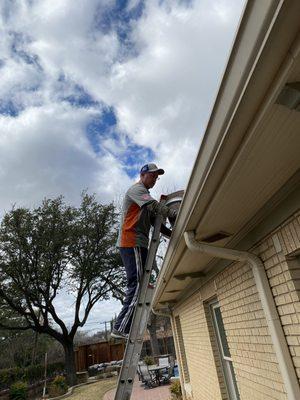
(261, 165)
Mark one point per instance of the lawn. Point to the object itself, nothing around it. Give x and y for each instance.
(94, 391)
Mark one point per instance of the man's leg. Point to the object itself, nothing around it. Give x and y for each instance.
(134, 260)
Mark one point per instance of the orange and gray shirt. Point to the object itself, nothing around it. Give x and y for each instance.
(135, 218)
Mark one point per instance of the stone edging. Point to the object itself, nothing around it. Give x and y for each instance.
(71, 389)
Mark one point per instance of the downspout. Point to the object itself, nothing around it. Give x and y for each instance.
(177, 351)
(167, 314)
(268, 304)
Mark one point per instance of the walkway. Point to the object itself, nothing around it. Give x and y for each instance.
(139, 393)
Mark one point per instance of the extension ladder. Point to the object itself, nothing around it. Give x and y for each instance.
(140, 319)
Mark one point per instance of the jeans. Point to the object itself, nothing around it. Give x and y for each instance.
(134, 260)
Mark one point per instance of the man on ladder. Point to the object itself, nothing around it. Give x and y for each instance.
(138, 212)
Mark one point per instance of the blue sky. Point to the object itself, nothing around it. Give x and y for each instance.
(91, 91)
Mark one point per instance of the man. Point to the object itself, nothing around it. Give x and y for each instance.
(139, 209)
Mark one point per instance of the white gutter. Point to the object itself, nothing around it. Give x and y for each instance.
(268, 304)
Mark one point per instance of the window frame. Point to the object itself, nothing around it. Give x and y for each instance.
(226, 361)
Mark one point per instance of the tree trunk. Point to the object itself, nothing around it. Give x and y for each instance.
(152, 333)
(70, 363)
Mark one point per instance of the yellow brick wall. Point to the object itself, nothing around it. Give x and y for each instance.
(251, 348)
(250, 344)
(199, 352)
(284, 274)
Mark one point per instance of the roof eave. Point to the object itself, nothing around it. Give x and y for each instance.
(259, 22)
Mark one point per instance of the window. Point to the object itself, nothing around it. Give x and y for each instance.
(293, 261)
(226, 360)
(185, 369)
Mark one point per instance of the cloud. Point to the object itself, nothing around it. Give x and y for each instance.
(90, 91)
(44, 153)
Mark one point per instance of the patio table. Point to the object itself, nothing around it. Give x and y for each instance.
(156, 369)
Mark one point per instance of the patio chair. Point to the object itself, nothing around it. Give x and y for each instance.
(147, 377)
(138, 369)
(166, 373)
(163, 362)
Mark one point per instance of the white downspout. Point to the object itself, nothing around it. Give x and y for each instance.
(177, 351)
(268, 304)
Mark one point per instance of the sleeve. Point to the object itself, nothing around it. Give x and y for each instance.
(140, 195)
(157, 208)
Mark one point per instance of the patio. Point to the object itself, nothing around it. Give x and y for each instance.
(140, 393)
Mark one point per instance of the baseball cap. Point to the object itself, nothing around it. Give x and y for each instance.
(152, 168)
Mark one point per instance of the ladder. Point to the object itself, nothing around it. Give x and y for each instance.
(140, 319)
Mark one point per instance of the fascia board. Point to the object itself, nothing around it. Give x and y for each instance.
(258, 19)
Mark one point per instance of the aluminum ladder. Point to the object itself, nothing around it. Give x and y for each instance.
(140, 319)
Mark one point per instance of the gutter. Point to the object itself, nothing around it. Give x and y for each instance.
(284, 358)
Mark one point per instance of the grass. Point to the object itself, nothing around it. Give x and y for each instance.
(94, 391)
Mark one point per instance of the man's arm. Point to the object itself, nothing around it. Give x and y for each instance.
(157, 208)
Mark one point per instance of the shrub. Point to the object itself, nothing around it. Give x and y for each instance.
(58, 386)
(148, 360)
(18, 391)
(30, 374)
(175, 390)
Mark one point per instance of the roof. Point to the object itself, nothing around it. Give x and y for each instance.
(250, 150)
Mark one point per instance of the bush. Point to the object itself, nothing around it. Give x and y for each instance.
(32, 374)
(18, 391)
(148, 360)
(58, 387)
(175, 390)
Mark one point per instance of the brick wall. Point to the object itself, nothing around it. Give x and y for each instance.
(204, 380)
(283, 268)
(251, 347)
(250, 344)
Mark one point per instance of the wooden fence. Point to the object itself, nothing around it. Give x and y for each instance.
(90, 354)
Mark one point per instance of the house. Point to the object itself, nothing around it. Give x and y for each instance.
(230, 280)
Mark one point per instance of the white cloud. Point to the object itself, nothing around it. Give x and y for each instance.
(163, 96)
(44, 152)
(161, 82)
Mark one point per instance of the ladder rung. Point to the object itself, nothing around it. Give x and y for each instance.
(139, 323)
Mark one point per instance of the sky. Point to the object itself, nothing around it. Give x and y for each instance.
(92, 90)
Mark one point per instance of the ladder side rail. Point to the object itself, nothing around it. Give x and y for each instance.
(139, 322)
